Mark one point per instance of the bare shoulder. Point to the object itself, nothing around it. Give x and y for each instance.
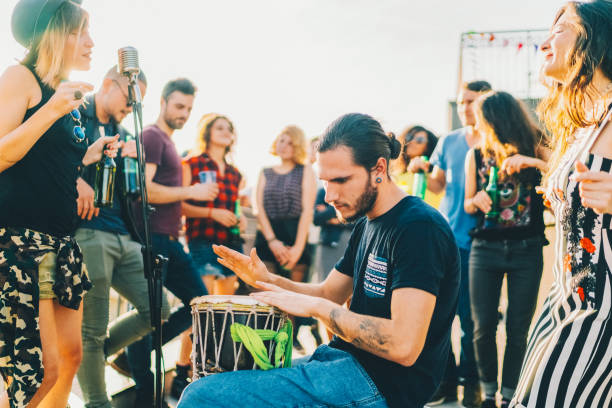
(603, 145)
(308, 170)
(17, 80)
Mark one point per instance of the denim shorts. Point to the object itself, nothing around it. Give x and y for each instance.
(206, 260)
(46, 276)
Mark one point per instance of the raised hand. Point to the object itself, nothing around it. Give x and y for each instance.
(595, 188)
(516, 163)
(65, 100)
(108, 145)
(248, 268)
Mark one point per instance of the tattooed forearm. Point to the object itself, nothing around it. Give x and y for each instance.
(371, 336)
(363, 332)
(334, 315)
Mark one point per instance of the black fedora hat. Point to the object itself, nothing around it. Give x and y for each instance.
(31, 18)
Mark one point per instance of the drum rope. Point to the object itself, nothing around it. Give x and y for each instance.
(253, 341)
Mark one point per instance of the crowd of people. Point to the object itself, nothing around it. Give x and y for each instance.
(344, 237)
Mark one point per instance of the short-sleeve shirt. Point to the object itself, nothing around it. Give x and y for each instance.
(449, 155)
(160, 150)
(229, 184)
(410, 246)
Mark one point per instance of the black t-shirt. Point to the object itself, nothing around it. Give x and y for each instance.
(521, 208)
(410, 246)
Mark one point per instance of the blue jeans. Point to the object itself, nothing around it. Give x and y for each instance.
(181, 277)
(467, 370)
(202, 253)
(331, 377)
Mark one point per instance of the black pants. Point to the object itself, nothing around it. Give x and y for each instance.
(521, 261)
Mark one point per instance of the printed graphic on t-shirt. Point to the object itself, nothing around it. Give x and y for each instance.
(375, 280)
(514, 198)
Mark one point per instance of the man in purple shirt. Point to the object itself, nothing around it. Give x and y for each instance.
(166, 192)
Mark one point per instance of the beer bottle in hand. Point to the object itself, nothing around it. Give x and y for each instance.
(235, 230)
(419, 183)
(130, 172)
(493, 192)
(105, 180)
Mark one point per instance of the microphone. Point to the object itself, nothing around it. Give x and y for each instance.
(129, 66)
(128, 62)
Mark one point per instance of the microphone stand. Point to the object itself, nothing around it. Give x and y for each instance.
(153, 264)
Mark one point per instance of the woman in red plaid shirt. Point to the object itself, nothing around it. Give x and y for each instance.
(213, 222)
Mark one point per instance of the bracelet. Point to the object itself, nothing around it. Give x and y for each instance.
(209, 212)
(271, 240)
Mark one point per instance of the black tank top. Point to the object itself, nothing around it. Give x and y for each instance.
(39, 192)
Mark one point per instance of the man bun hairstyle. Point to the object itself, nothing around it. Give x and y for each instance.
(395, 146)
(364, 136)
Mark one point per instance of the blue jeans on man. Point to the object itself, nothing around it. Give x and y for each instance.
(181, 277)
(466, 371)
(330, 377)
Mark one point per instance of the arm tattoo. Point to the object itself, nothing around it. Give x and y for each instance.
(370, 336)
(333, 316)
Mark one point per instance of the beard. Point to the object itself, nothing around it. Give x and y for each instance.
(174, 123)
(364, 203)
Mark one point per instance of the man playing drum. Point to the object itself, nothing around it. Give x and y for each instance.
(402, 269)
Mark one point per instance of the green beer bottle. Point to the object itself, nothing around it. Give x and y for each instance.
(419, 183)
(235, 230)
(105, 180)
(493, 193)
(130, 172)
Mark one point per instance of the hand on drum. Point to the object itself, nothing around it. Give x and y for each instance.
(248, 268)
(294, 303)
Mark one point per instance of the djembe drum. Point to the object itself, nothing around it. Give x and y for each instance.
(238, 333)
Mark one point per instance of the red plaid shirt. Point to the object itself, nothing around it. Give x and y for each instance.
(206, 228)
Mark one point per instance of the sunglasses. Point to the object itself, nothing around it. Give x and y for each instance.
(127, 98)
(417, 139)
(77, 130)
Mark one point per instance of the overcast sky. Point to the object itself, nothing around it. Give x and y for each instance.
(267, 64)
